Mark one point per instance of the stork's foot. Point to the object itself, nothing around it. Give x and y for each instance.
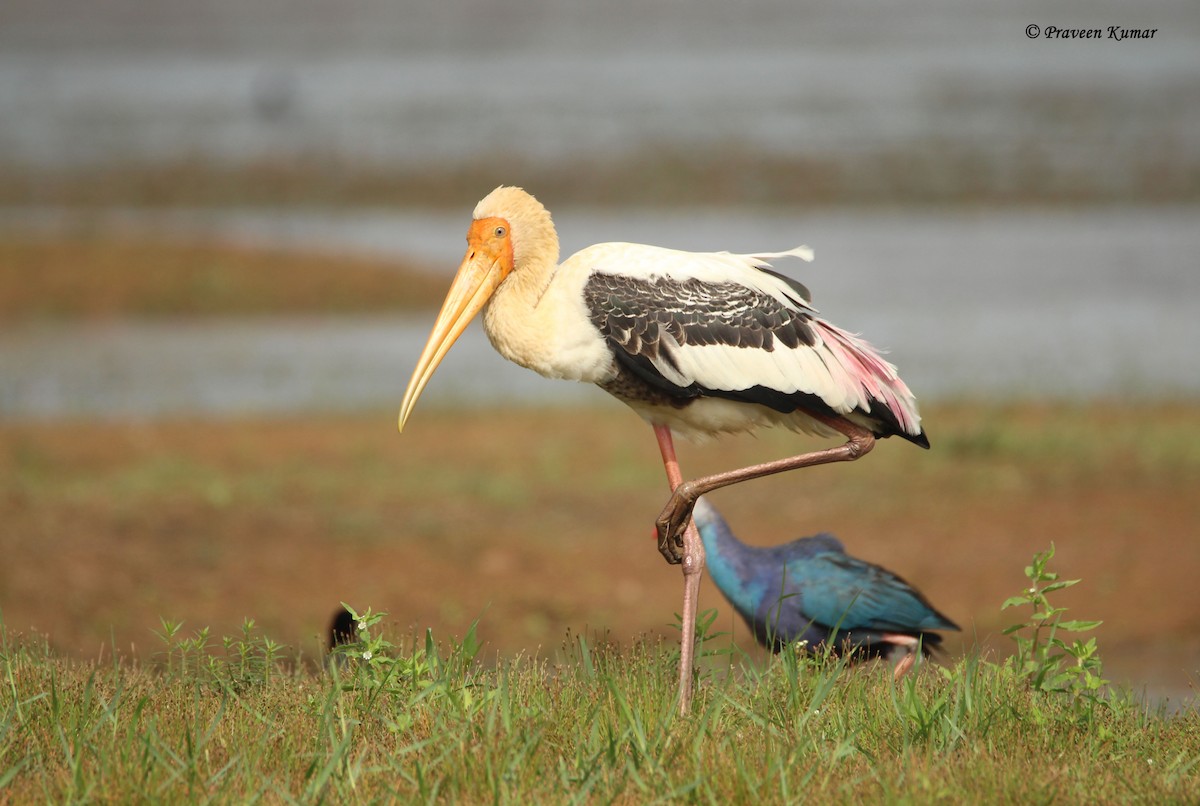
(673, 522)
(670, 548)
(671, 552)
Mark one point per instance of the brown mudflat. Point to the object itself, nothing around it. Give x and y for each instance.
(539, 522)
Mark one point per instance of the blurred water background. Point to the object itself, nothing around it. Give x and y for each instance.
(1009, 216)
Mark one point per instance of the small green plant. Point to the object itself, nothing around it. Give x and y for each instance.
(251, 659)
(1046, 661)
(372, 667)
(365, 652)
(181, 655)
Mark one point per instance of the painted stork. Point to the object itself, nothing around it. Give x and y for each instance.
(810, 590)
(696, 343)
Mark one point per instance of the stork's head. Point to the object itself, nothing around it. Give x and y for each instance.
(510, 229)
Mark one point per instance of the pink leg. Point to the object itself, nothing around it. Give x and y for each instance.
(905, 664)
(677, 514)
(692, 559)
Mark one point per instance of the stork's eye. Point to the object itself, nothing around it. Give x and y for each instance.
(500, 232)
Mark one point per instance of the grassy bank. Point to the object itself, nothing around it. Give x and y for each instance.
(423, 721)
(107, 275)
(934, 172)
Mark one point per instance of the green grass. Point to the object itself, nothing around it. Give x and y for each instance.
(421, 721)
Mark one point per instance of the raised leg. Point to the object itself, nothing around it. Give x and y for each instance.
(692, 560)
(677, 514)
(670, 550)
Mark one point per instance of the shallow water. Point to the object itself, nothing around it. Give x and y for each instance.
(398, 86)
(1082, 304)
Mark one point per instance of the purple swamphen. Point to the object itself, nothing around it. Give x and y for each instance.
(811, 590)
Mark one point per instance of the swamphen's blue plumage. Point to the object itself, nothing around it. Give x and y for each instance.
(811, 590)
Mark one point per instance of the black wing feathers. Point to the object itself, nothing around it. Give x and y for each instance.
(633, 314)
(636, 315)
